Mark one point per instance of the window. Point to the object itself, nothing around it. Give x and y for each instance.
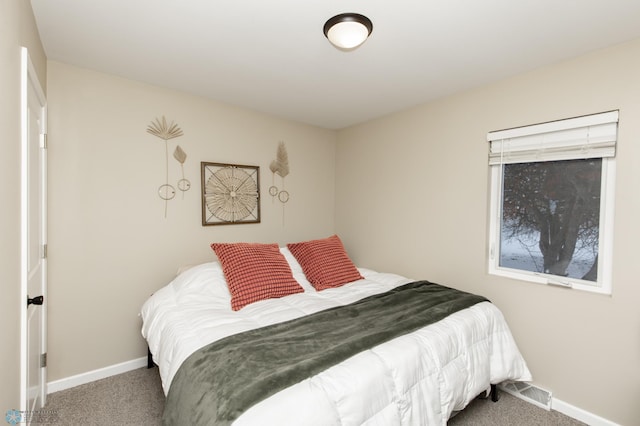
(551, 207)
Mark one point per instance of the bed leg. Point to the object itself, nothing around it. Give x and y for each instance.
(150, 363)
(494, 393)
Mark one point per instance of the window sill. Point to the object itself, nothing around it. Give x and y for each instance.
(550, 280)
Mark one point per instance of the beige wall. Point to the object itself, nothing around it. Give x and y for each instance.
(110, 246)
(412, 197)
(17, 28)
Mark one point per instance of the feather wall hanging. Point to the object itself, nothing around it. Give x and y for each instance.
(280, 167)
(166, 132)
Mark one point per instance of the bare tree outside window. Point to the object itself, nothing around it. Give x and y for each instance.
(551, 217)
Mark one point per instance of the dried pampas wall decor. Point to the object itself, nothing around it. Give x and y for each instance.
(280, 167)
(183, 184)
(164, 131)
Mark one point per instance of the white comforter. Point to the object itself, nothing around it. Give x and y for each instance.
(416, 379)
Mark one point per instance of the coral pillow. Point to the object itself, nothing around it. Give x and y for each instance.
(255, 272)
(325, 262)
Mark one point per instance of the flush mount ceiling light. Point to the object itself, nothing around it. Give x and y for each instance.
(348, 30)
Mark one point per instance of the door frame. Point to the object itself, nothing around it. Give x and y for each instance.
(30, 83)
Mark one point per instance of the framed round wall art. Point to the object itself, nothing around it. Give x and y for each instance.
(230, 194)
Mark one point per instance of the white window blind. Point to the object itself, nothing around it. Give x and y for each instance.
(589, 136)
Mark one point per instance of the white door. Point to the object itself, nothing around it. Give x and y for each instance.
(34, 243)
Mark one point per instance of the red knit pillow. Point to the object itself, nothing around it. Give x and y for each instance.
(255, 272)
(325, 262)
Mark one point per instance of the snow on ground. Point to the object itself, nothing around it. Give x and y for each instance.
(524, 254)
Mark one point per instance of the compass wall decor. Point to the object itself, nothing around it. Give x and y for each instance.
(230, 194)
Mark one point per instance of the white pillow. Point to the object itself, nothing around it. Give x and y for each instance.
(204, 280)
(296, 270)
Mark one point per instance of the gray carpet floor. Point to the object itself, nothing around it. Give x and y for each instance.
(136, 398)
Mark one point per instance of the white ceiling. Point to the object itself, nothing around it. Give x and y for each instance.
(272, 56)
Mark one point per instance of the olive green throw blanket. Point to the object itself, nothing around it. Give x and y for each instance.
(217, 383)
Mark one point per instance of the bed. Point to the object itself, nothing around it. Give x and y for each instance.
(418, 376)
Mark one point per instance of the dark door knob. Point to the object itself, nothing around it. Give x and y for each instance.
(38, 300)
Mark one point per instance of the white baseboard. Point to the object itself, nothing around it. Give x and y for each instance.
(92, 376)
(580, 414)
(567, 409)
